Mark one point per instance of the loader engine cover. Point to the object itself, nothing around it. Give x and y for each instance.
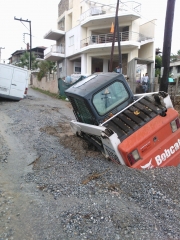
(99, 96)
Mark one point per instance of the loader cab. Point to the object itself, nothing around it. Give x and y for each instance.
(99, 96)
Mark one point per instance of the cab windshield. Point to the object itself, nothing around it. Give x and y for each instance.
(110, 97)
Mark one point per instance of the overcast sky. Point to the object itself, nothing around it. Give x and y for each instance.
(43, 15)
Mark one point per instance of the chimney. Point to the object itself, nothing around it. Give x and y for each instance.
(27, 46)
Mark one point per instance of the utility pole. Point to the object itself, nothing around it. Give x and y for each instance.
(0, 52)
(22, 20)
(167, 44)
(116, 31)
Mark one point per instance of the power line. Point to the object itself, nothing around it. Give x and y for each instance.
(24, 25)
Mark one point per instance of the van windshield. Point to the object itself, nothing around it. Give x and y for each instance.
(110, 97)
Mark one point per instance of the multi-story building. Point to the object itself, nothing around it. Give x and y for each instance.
(16, 56)
(84, 42)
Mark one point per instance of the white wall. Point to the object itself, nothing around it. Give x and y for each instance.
(48, 83)
(148, 29)
(133, 54)
(147, 51)
(75, 47)
(134, 26)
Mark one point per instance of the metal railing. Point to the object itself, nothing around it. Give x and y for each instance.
(108, 38)
(106, 9)
(55, 49)
(92, 12)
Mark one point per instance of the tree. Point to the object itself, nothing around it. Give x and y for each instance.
(158, 65)
(45, 67)
(52, 66)
(24, 61)
(175, 57)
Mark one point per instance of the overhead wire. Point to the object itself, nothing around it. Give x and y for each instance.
(24, 25)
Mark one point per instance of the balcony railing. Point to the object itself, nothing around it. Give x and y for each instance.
(55, 49)
(108, 38)
(92, 12)
(106, 9)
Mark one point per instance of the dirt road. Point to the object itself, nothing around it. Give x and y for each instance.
(52, 186)
(23, 208)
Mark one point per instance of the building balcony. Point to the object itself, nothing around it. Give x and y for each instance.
(105, 40)
(105, 14)
(54, 53)
(54, 34)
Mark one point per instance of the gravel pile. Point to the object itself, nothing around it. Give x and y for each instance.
(92, 198)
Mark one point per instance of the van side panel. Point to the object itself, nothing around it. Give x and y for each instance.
(6, 73)
(18, 83)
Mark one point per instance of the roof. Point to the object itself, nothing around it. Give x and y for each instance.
(18, 52)
(21, 51)
(42, 48)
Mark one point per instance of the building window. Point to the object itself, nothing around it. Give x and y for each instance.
(61, 25)
(178, 69)
(71, 40)
(77, 69)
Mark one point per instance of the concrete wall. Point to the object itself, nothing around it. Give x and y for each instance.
(148, 29)
(134, 26)
(62, 7)
(49, 83)
(132, 54)
(147, 51)
(61, 65)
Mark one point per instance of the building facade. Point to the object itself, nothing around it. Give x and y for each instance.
(16, 56)
(175, 69)
(84, 39)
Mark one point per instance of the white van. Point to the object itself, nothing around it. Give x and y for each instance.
(13, 81)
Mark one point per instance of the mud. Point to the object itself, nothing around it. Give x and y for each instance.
(78, 146)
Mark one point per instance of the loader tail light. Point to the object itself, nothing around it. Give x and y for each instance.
(134, 156)
(26, 89)
(175, 124)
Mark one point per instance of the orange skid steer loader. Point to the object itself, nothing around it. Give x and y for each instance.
(140, 131)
